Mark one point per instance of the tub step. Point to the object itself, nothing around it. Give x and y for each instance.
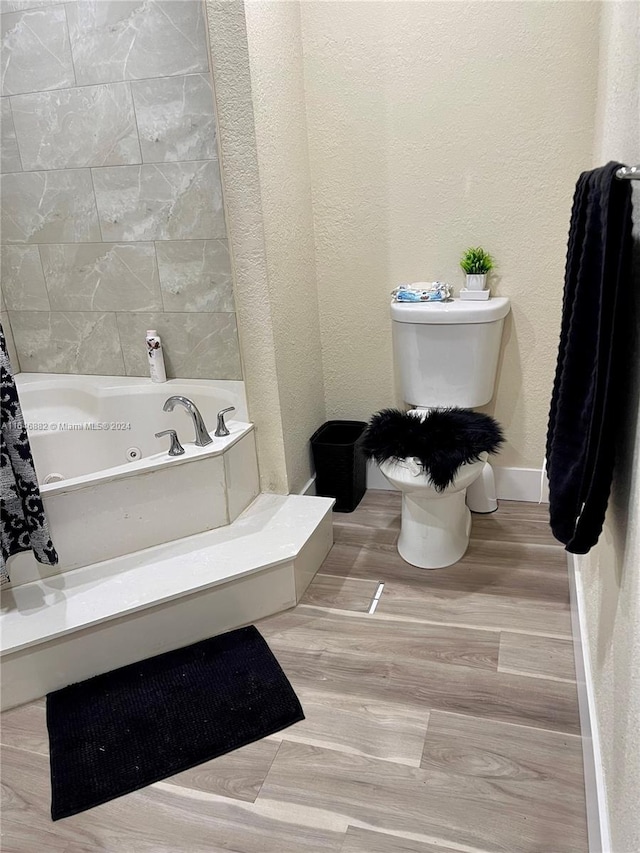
(71, 626)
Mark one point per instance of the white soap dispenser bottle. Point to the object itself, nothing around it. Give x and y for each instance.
(156, 357)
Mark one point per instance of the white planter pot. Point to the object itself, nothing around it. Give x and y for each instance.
(476, 282)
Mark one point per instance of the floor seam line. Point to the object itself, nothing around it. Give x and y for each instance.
(504, 723)
(23, 749)
(511, 671)
(393, 617)
(266, 775)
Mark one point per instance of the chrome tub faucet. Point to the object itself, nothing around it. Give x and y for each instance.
(221, 428)
(176, 448)
(202, 434)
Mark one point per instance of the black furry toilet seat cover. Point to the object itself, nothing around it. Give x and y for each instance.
(441, 441)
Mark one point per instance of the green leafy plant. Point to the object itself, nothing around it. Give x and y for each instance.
(475, 261)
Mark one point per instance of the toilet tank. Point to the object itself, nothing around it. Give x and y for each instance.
(446, 353)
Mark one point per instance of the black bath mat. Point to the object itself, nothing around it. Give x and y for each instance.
(120, 731)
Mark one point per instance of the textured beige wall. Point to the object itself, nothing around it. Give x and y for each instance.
(275, 55)
(420, 141)
(611, 580)
(257, 69)
(433, 126)
(243, 203)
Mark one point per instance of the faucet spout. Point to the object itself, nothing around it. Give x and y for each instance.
(202, 433)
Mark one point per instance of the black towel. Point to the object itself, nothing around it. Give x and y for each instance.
(587, 400)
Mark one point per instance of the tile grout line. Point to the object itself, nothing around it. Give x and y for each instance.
(154, 165)
(118, 311)
(112, 242)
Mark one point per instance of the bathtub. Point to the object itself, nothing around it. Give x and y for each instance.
(108, 484)
(156, 552)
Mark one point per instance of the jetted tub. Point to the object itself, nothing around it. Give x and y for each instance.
(108, 484)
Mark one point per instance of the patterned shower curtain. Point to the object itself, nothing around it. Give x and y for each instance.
(23, 524)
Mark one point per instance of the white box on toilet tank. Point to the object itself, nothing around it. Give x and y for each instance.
(446, 353)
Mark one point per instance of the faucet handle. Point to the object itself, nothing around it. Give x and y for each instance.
(176, 448)
(221, 428)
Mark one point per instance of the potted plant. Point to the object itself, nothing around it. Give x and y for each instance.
(476, 263)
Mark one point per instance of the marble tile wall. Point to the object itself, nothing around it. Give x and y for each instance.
(111, 202)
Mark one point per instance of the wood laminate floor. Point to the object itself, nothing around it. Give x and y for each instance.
(446, 721)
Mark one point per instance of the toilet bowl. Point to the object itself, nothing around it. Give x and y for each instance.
(446, 355)
(435, 525)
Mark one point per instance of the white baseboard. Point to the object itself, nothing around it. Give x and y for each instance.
(376, 479)
(512, 484)
(595, 790)
(521, 484)
(309, 487)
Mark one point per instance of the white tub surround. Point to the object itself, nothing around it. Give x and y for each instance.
(72, 626)
(116, 489)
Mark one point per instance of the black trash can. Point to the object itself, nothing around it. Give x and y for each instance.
(341, 466)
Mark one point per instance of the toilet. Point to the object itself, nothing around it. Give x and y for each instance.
(445, 354)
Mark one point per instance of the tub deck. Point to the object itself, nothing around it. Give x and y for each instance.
(65, 628)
